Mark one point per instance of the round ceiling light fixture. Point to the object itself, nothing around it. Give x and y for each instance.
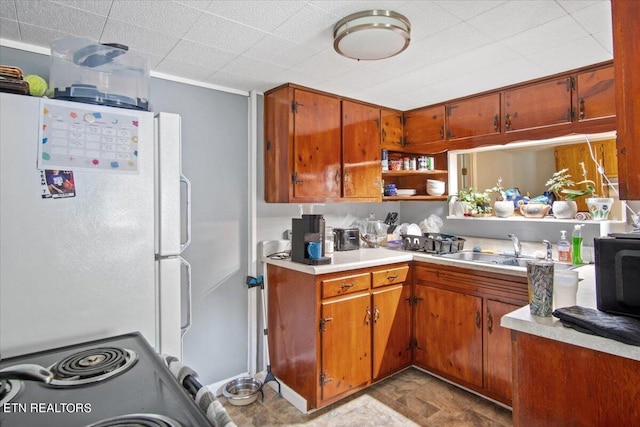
(372, 34)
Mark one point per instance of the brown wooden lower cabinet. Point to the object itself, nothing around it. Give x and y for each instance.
(457, 326)
(559, 384)
(331, 335)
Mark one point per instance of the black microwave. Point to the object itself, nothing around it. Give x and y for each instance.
(617, 264)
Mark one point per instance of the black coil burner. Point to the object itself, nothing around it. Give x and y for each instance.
(8, 389)
(92, 365)
(137, 420)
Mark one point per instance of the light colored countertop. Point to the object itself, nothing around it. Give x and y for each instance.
(519, 320)
(551, 328)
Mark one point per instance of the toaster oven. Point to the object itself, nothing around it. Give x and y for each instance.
(347, 239)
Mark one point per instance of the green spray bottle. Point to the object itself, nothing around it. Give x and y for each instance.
(576, 245)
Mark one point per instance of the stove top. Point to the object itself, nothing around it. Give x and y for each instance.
(119, 381)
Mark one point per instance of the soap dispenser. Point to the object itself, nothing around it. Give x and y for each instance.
(576, 245)
(564, 248)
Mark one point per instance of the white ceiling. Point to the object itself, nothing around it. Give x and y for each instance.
(458, 47)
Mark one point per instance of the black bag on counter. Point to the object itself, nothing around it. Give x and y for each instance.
(594, 322)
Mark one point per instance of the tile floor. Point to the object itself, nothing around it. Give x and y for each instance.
(409, 398)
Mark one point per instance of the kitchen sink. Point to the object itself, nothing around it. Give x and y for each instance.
(510, 260)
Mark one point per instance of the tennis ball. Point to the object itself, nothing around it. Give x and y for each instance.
(37, 85)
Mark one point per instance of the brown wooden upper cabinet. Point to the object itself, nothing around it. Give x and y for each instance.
(392, 130)
(474, 117)
(423, 129)
(595, 94)
(302, 146)
(537, 105)
(361, 150)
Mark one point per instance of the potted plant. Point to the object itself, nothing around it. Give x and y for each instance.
(477, 203)
(502, 207)
(565, 206)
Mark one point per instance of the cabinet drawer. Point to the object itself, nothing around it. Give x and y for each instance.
(345, 284)
(390, 276)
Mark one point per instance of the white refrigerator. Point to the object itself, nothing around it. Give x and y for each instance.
(91, 226)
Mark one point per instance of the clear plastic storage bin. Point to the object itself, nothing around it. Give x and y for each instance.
(84, 70)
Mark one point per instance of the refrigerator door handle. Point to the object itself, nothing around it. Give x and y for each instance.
(184, 328)
(187, 241)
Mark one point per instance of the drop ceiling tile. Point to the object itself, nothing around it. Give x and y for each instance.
(178, 68)
(196, 4)
(451, 42)
(327, 64)
(596, 18)
(263, 15)
(253, 68)
(100, 7)
(579, 53)
(8, 10)
(344, 8)
(39, 36)
(513, 71)
(554, 33)
(138, 38)
(516, 16)
(294, 76)
(467, 9)
(152, 60)
(166, 17)
(364, 77)
(280, 51)
(572, 6)
(9, 29)
(61, 18)
(208, 57)
(223, 34)
(429, 17)
(605, 39)
(237, 82)
(310, 26)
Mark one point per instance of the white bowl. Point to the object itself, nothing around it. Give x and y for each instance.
(435, 187)
(435, 182)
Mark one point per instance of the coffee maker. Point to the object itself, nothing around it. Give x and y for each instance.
(307, 240)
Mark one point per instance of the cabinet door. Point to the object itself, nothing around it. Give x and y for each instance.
(423, 128)
(346, 344)
(474, 117)
(361, 150)
(317, 169)
(392, 130)
(498, 367)
(538, 105)
(449, 333)
(596, 94)
(391, 329)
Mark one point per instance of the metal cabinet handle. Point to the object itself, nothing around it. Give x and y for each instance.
(367, 318)
(478, 319)
(490, 322)
(496, 123)
(392, 277)
(345, 286)
(507, 122)
(376, 314)
(581, 112)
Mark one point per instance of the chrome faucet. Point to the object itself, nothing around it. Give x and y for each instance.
(549, 256)
(517, 247)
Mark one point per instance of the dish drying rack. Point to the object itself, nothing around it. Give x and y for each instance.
(437, 243)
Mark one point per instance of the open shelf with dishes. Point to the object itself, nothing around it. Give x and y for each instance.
(411, 184)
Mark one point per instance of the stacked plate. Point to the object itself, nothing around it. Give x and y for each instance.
(435, 187)
(406, 192)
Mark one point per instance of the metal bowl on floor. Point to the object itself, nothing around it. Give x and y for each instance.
(242, 391)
